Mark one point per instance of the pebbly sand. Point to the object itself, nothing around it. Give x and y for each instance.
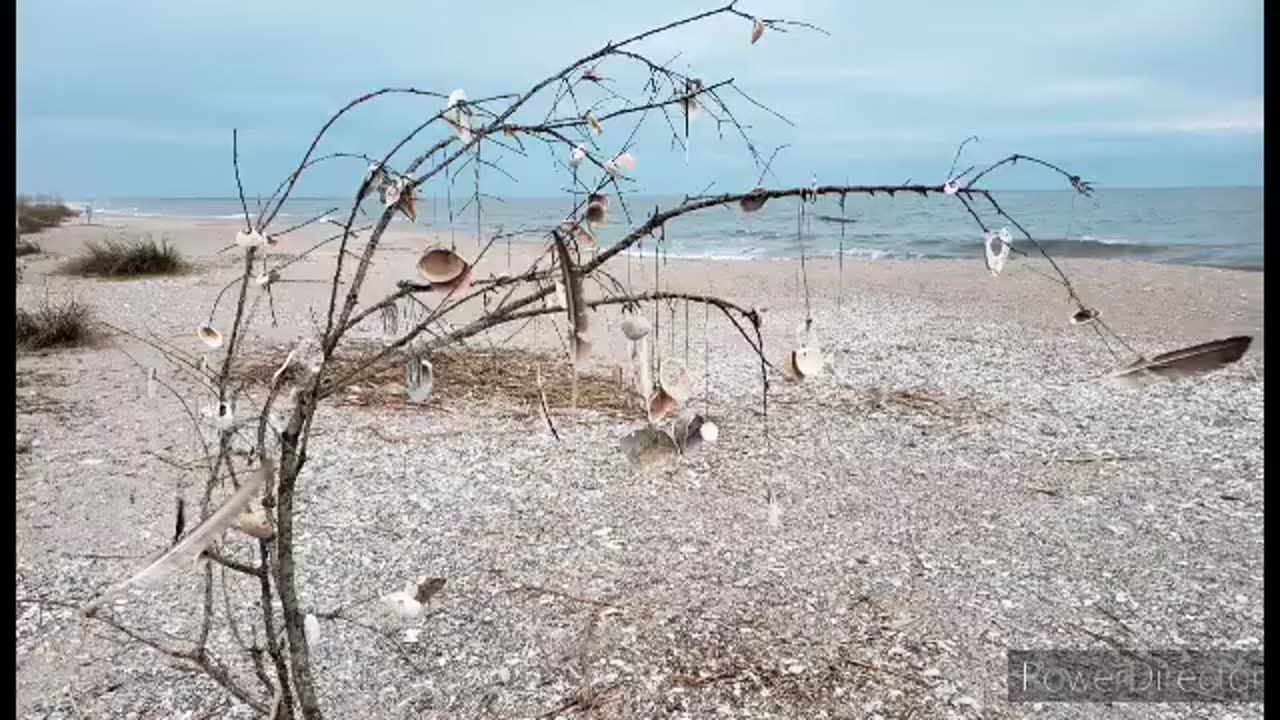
(953, 486)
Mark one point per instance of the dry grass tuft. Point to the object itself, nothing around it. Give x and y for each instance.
(26, 247)
(127, 258)
(465, 375)
(36, 215)
(54, 325)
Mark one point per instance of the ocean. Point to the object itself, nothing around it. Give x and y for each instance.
(1219, 227)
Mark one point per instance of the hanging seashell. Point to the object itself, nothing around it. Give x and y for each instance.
(209, 336)
(311, 628)
(577, 156)
(594, 124)
(268, 277)
(419, 379)
(593, 75)
(635, 326)
(407, 201)
(442, 267)
(253, 238)
(391, 194)
(255, 523)
(622, 164)
(596, 216)
(692, 108)
(458, 117)
(374, 179)
(152, 381)
(661, 405)
(753, 201)
(997, 247)
(757, 30)
(1084, 316)
(806, 361)
(951, 187)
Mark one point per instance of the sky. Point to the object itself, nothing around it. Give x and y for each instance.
(139, 99)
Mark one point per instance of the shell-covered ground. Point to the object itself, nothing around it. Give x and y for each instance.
(956, 483)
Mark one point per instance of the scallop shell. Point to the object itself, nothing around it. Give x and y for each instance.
(661, 405)
(577, 156)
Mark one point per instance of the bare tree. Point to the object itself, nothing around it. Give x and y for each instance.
(473, 134)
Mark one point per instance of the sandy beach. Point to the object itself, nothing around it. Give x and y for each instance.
(955, 484)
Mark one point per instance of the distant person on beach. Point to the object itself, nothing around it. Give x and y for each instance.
(88, 214)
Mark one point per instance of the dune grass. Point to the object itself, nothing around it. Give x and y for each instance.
(35, 215)
(127, 257)
(54, 324)
(26, 247)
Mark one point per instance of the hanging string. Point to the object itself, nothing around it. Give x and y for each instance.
(804, 273)
(840, 257)
(706, 359)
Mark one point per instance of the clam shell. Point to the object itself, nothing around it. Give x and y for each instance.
(596, 215)
(441, 266)
(577, 156)
(635, 327)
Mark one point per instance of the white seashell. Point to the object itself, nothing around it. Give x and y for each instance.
(997, 250)
(403, 604)
(709, 431)
(267, 278)
(757, 30)
(625, 162)
(951, 187)
(806, 361)
(635, 327)
(577, 156)
(250, 239)
(209, 336)
(458, 118)
(311, 626)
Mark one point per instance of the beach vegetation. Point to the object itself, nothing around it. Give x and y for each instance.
(128, 257)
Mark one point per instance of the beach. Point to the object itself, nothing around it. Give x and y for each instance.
(956, 483)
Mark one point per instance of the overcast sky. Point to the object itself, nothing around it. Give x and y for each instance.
(139, 98)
